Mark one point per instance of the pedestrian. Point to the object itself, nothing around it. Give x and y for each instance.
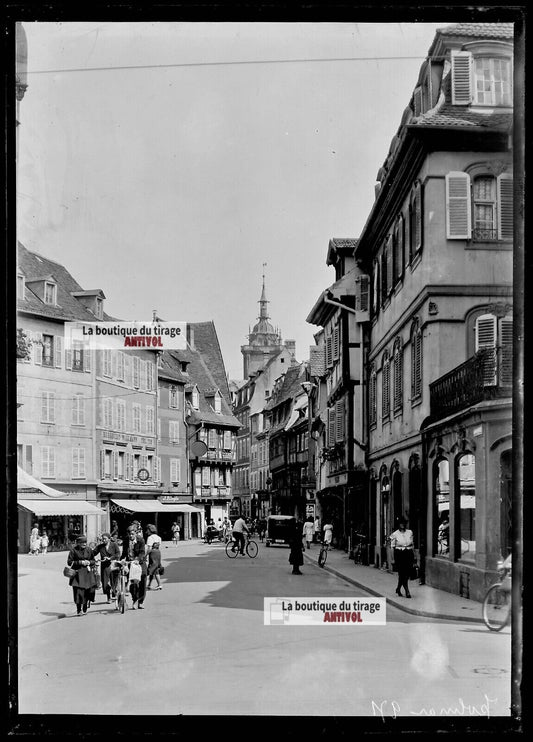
(83, 583)
(403, 549)
(317, 530)
(35, 539)
(152, 537)
(154, 566)
(109, 552)
(296, 550)
(175, 534)
(226, 530)
(261, 528)
(308, 531)
(114, 530)
(135, 551)
(239, 529)
(328, 532)
(44, 542)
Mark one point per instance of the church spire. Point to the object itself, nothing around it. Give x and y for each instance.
(263, 301)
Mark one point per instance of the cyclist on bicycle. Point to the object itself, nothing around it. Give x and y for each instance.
(239, 529)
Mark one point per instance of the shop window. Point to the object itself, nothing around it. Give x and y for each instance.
(441, 499)
(466, 506)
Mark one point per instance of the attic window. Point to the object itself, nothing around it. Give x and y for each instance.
(50, 293)
(218, 403)
(99, 308)
(20, 287)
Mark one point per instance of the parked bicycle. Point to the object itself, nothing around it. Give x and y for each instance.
(497, 601)
(323, 555)
(250, 548)
(359, 556)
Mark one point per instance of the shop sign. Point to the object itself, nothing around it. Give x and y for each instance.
(112, 435)
(174, 498)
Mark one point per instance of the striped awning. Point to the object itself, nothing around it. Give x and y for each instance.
(153, 506)
(60, 507)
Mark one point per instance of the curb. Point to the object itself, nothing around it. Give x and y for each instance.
(395, 603)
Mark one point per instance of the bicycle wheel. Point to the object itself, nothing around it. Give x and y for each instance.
(231, 550)
(496, 608)
(322, 556)
(121, 602)
(252, 549)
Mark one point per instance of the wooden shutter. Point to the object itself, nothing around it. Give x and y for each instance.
(458, 206)
(376, 288)
(461, 78)
(38, 348)
(417, 101)
(331, 426)
(505, 206)
(400, 245)
(102, 464)
(58, 343)
(398, 378)
(506, 351)
(362, 293)
(417, 217)
(335, 336)
(486, 340)
(329, 351)
(115, 464)
(339, 420)
(418, 363)
(87, 359)
(385, 389)
(373, 397)
(129, 466)
(407, 238)
(390, 268)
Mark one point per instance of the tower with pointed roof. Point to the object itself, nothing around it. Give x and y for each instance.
(264, 340)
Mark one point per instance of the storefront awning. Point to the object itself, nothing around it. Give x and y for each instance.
(27, 483)
(154, 506)
(60, 507)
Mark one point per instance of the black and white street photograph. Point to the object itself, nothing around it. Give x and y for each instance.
(264, 281)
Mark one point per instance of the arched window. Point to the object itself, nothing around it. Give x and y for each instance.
(441, 499)
(416, 361)
(397, 394)
(385, 387)
(466, 504)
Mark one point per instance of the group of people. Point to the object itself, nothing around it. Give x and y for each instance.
(142, 554)
(39, 541)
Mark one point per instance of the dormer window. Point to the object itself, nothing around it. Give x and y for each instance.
(492, 78)
(218, 403)
(482, 76)
(99, 308)
(50, 293)
(21, 289)
(195, 401)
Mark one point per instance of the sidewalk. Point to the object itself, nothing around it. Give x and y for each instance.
(425, 601)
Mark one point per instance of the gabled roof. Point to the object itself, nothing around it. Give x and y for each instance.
(206, 342)
(170, 365)
(199, 374)
(481, 30)
(290, 386)
(36, 267)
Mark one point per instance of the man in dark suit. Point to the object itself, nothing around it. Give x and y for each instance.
(135, 550)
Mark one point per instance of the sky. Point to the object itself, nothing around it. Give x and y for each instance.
(198, 152)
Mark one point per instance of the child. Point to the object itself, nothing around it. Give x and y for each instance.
(44, 542)
(154, 565)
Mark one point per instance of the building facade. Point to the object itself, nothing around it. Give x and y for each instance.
(437, 247)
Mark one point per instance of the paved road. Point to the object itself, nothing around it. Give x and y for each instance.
(202, 643)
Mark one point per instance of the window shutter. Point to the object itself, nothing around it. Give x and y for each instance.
(329, 351)
(407, 239)
(505, 206)
(418, 364)
(336, 333)
(375, 297)
(385, 391)
(388, 253)
(398, 378)
(362, 293)
(115, 465)
(339, 420)
(102, 464)
(486, 340)
(458, 206)
(331, 426)
(129, 466)
(38, 348)
(81, 462)
(461, 78)
(373, 397)
(417, 222)
(506, 343)
(87, 359)
(75, 410)
(75, 463)
(58, 342)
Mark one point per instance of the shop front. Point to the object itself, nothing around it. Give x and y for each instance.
(162, 512)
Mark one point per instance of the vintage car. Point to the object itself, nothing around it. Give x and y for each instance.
(280, 528)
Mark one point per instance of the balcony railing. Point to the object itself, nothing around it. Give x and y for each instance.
(487, 375)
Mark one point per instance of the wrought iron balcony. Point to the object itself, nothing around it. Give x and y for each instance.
(487, 375)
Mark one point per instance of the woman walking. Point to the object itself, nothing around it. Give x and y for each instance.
(308, 532)
(402, 544)
(108, 551)
(83, 584)
(154, 566)
(35, 539)
(296, 554)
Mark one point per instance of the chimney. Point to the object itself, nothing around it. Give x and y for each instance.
(190, 335)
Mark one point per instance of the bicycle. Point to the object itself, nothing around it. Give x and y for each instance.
(358, 552)
(497, 601)
(250, 548)
(120, 585)
(323, 555)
